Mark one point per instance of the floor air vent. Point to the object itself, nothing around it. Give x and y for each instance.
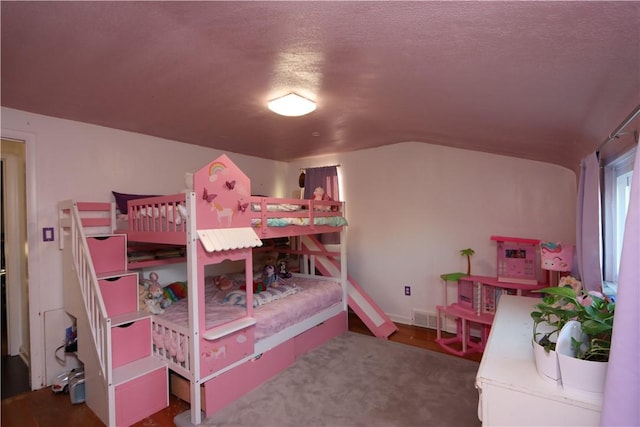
(424, 319)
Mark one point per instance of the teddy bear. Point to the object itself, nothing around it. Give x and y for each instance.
(142, 295)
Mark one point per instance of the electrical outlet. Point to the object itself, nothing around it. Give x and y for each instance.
(407, 290)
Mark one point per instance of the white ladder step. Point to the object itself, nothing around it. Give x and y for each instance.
(136, 369)
(125, 318)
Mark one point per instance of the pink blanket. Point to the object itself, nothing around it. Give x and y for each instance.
(316, 295)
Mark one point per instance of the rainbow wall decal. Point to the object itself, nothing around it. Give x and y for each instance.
(214, 169)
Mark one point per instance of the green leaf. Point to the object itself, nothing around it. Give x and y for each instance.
(593, 327)
(560, 291)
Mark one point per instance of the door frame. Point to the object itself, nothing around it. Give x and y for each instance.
(36, 327)
(14, 224)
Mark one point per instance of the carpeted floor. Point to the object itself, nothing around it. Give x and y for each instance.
(357, 380)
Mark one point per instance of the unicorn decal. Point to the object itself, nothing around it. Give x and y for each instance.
(223, 213)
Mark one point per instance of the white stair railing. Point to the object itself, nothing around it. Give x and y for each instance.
(99, 323)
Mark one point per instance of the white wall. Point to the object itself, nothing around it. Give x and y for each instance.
(73, 160)
(412, 207)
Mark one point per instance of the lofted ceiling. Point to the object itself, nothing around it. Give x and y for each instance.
(545, 81)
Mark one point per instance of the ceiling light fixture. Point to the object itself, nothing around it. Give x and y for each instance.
(291, 105)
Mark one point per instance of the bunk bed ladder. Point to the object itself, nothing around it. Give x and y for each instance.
(124, 382)
(71, 222)
(361, 303)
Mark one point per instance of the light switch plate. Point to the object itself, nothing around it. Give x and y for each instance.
(47, 234)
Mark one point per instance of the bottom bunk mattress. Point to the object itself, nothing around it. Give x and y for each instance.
(295, 299)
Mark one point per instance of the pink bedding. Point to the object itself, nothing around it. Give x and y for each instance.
(317, 294)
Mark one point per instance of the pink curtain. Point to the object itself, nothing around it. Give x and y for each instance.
(621, 406)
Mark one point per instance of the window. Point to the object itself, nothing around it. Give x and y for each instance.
(616, 191)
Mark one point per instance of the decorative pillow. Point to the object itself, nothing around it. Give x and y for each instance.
(271, 294)
(122, 199)
(175, 291)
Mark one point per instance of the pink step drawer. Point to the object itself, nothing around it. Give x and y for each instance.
(131, 342)
(108, 253)
(120, 294)
(141, 397)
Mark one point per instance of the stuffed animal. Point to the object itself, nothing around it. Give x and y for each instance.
(143, 291)
(174, 347)
(319, 194)
(258, 286)
(223, 282)
(152, 280)
(154, 299)
(151, 294)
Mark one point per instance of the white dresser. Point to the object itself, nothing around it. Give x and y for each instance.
(510, 390)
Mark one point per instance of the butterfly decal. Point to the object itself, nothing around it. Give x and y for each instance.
(230, 184)
(242, 207)
(208, 197)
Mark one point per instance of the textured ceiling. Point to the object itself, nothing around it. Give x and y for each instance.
(540, 80)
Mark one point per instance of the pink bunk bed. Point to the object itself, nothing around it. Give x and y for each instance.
(224, 350)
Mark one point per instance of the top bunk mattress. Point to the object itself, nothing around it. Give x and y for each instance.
(315, 294)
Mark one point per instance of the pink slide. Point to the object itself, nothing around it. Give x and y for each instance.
(361, 303)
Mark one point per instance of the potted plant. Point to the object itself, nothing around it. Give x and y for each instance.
(549, 317)
(582, 324)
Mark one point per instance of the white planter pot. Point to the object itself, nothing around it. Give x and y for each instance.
(578, 374)
(546, 363)
(582, 375)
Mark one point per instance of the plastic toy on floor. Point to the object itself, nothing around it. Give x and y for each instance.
(61, 381)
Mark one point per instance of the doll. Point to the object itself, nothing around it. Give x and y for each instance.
(283, 270)
(269, 275)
